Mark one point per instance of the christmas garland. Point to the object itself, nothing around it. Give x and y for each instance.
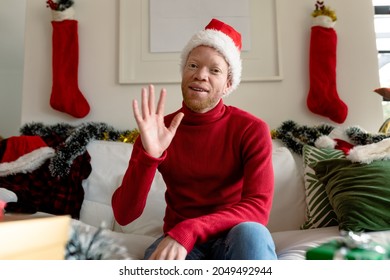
(358, 136)
(76, 140)
(295, 136)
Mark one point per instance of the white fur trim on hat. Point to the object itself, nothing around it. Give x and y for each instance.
(370, 152)
(27, 163)
(223, 44)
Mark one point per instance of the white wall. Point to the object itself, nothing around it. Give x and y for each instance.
(12, 19)
(275, 102)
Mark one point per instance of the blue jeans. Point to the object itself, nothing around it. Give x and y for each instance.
(245, 241)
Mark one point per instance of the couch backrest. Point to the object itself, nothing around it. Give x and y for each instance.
(109, 161)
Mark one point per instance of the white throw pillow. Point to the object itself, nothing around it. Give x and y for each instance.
(288, 209)
(150, 223)
(109, 161)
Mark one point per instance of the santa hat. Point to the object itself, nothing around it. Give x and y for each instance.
(226, 40)
(23, 154)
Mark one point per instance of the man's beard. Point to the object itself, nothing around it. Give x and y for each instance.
(198, 106)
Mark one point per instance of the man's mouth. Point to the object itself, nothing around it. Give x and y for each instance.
(198, 89)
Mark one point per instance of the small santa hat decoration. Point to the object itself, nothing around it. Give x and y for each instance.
(226, 40)
(23, 154)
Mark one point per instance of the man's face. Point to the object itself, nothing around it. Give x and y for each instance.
(205, 79)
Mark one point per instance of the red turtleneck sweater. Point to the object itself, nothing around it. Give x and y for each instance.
(218, 172)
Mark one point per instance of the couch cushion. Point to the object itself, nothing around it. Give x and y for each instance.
(288, 208)
(293, 244)
(319, 212)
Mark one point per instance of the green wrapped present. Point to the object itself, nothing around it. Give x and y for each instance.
(351, 247)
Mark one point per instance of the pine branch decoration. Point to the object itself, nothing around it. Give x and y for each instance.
(88, 243)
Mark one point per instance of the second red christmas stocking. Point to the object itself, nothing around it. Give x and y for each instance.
(323, 98)
(66, 96)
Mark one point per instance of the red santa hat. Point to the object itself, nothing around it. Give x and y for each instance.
(23, 154)
(226, 40)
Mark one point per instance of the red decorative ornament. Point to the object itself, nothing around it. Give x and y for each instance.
(52, 5)
(320, 5)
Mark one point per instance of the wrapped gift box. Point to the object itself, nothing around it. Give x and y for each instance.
(33, 237)
(338, 249)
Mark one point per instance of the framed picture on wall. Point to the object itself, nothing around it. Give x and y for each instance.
(152, 34)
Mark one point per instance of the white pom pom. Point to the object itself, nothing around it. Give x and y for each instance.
(325, 142)
(323, 21)
(63, 15)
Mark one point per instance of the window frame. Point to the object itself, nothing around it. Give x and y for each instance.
(382, 10)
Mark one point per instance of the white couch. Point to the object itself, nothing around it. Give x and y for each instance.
(109, 161)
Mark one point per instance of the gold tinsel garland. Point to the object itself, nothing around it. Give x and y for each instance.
(126, 137)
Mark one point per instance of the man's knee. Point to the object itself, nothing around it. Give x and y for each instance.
(250, 228)
(251, 240)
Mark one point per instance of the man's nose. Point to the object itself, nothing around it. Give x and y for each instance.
(202, 73)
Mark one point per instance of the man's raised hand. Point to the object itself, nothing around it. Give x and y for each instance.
(155, 136)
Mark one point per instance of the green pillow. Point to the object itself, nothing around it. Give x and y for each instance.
(319, 212)
(359, 193)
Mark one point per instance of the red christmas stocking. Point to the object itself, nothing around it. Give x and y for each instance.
(323, 98)
(66, 95)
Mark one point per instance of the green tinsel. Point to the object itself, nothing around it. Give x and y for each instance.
(76, 140)
(295, 136)
(361, 137)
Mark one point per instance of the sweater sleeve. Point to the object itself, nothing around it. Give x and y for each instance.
(256, 195)
(129, 199)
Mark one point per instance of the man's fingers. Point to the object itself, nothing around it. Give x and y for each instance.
(161, 102)
(136, 112)
(148, 102)
(176, 122)
(145, 103)
(151, 100)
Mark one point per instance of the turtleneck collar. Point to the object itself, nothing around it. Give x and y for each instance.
(193, 118)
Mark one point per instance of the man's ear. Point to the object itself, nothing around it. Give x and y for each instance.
(228, 86)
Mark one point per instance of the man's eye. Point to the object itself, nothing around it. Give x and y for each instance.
(192, 66)
(215, 71)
